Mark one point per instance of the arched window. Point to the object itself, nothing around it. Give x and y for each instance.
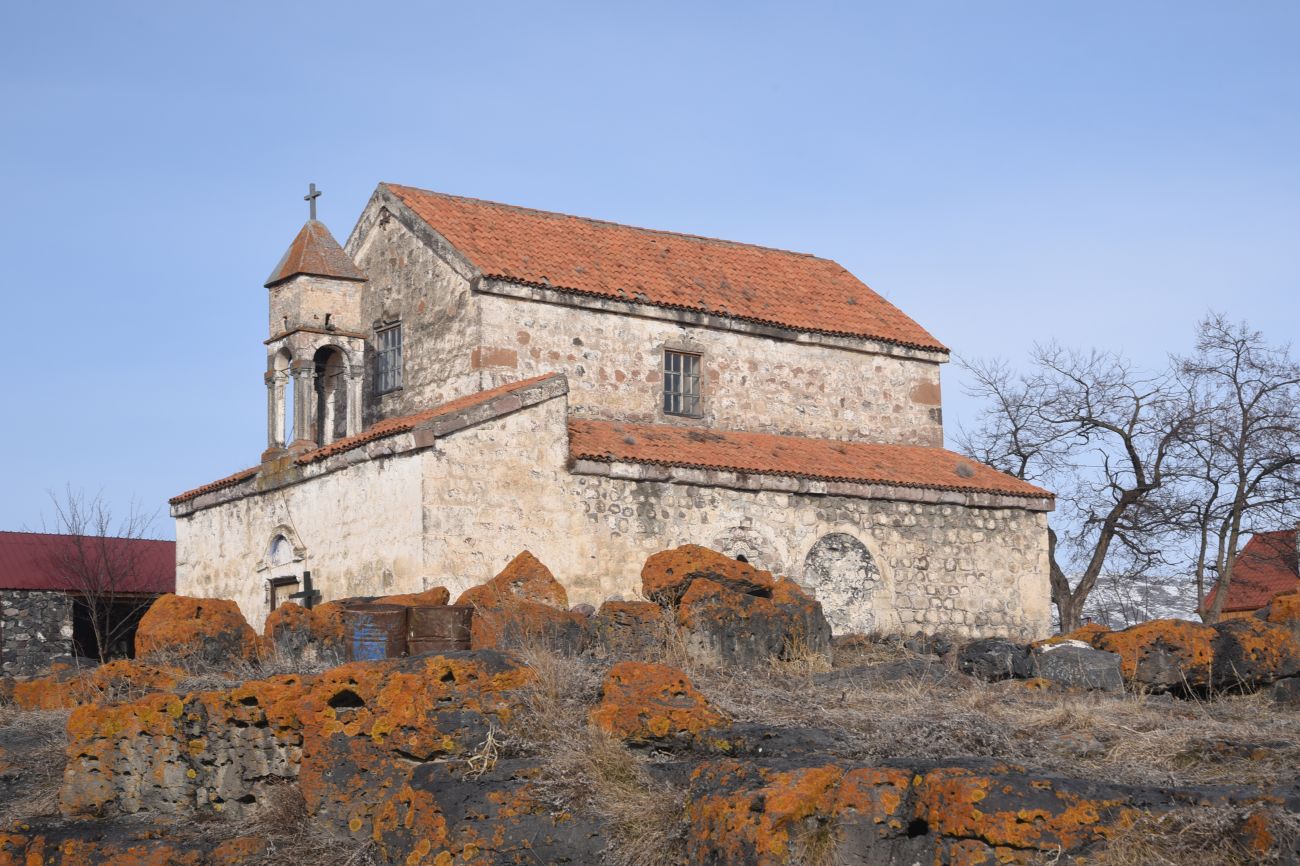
(844, 576)
(281, 551)
(331, 395)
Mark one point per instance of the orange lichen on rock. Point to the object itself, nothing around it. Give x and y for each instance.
(208, 629)
(743, 813)
(1163, 652)
(725, 624)
(1250, 652)
(435, 596)
(1284, 608)
(296, 631)
(1088, 634)
(118, 680)
(668, 575)
(1009, 809)
(641, 701)
(524, 577)
(523, 604)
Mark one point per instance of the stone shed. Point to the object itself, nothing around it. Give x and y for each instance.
(52, 585)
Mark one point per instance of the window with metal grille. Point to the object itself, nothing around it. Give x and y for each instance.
(389, 371)
(681, 383)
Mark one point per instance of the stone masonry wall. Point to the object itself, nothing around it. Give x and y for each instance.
(930, 566)
(456, 512)
(359, 527)
(37, 629)
(614, 364)
(410, 283)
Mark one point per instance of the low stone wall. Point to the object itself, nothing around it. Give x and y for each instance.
(37, 629)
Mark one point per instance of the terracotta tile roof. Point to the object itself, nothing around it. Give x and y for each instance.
(796, 456)
(314, 251)
(1266, 566)
(219, 484)
(663, 269)
(393, 426)
(378, 430)
(30, 560)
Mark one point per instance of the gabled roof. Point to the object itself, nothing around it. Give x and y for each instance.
(31, 560)
(1266, 566)
(796, 456)
(314, 251)
(663, 269)
(381, 429)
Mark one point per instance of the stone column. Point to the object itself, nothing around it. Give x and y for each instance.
(304, 405)
(354, 380)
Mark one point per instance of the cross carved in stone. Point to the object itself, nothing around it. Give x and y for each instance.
(310, 198)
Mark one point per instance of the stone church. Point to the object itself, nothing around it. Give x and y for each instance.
(463, 380)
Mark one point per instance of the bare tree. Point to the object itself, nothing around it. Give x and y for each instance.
(1100, 434)
(1242, 457)
(102, 564)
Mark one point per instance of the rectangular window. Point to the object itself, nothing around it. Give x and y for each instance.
(681, 383)
(389, 373)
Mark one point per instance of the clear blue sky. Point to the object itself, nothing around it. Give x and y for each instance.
(1101, 173)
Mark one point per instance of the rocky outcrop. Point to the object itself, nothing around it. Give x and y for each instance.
(742, 812)
(202, 630)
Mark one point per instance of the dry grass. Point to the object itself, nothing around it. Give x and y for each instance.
(33, 753)
(1240, 740)
(585, 769)
(1206, 836)
(293, 838)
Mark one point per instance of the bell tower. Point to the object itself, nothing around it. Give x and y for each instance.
(316, 345)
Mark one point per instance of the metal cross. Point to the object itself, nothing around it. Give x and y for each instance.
(310, 198)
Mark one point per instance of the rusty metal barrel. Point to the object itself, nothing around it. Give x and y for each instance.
(374, 631)
(438, 628)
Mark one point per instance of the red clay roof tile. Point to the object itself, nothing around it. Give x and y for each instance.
(663, 269)
(314, 251)
(796, 456)
(378, 430)
(1266, 567)
(393, 426)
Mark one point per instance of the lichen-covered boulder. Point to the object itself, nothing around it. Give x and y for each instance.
(1164, 654)
(207, 630)
(524, 577)
(642, 702)
(1283, 609)
(524, 605)
(1251, 652)
(724, 625)
(667, 575)
(119, 680)
(295, 632)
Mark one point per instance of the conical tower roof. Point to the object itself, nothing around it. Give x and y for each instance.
(314, 251)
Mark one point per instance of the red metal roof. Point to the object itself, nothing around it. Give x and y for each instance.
(1266, 567)
(663, 269)
(770, 454)
(314, 251)
(30, 560)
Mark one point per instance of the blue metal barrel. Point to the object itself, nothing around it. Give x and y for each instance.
(375, 631)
